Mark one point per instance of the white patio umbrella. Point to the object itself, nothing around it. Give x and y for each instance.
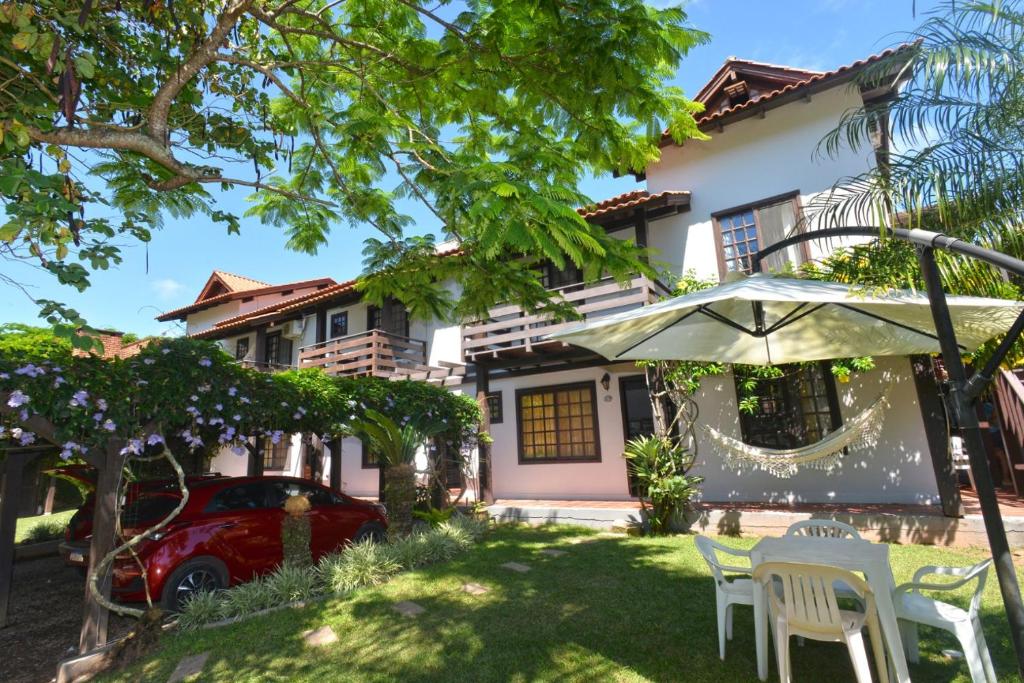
(763, 319)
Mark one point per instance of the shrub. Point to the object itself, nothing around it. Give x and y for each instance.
(290, 583)
(44, 530)
(665, 488)
(359, 565)
(434, 516)
(201, 608)
(247, 598)
(363, 564)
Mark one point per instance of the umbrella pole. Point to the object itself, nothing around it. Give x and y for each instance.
(963, 406)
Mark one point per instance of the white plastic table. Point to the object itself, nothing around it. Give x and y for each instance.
(869, 559)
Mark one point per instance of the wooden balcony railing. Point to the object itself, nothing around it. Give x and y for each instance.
(376, 353)
(510, 332)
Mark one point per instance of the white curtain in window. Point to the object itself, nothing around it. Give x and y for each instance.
(778, 222)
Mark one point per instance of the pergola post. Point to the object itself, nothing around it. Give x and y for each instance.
(10, 497)
(336, 464)
(483, 388)
(966, 417)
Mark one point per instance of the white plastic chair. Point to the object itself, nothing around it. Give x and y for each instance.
(822, 528)
(729, 591)
(807, 606)
(912, 608)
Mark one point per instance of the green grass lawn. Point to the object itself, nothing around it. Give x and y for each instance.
(25, 524)
(613, 608)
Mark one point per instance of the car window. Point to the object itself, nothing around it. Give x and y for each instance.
(148, 510)
(281, 490)
(244, 497)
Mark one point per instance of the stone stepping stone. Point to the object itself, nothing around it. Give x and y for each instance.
(318, 637)
(408, 608)
(552, 552)
(516, 567)
(189, 667)
(475, 589)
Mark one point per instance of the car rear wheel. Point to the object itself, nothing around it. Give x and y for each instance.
(372, 531)
(193, 577)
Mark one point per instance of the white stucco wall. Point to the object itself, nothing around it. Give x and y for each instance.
(749, 161)
(896, 470)
(604, 480)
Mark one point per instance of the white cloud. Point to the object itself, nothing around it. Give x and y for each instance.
(166, 288)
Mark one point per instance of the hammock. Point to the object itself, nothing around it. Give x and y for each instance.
(862, 430)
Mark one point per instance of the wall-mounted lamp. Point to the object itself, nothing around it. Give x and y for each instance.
(606, 381)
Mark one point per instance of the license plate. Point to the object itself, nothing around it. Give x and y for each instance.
(77, 557)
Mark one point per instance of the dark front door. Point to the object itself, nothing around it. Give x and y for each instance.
(637, 416)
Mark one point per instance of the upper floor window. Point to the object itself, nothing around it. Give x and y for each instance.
(392, 317)
(794, 410)
(339, 325)
(241, 348)
(743, 231)
(278, 350)
(557, 278)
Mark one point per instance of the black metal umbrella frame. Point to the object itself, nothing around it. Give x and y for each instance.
(964, 392)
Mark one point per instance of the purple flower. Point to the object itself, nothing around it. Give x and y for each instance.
(232, 391)
(109, 425)
(297, 416)
(79, 398)
(219, 407)
(101, 404)
(192, 410)
(134, 447)
(4, 375)
(98, 417)
(142, 383)
(243, 399)
(154, 439)
(165, 351)
(58, 380)
(23, 415)
(205, 362)
(239, 450)
(193, 398)
(30, 370)
(18, 398)
(24, 438)
(236, 418)
(275, 437)
(148, 361)
(191, 439)
(216, 421)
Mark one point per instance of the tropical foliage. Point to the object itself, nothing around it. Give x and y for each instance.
(489, 114)
(956, 149)
(664, 487)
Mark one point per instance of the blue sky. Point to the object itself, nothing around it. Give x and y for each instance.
(815, 34)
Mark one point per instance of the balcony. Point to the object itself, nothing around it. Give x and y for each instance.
(377, 353)
(510, 332)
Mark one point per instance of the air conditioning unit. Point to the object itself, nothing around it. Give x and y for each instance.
(294, 329)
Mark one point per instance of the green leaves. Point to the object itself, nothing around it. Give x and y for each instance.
(339, 114)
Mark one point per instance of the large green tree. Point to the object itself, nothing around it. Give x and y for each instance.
(116, 114)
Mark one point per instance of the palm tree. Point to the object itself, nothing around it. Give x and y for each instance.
(957, 132)
(396, 446)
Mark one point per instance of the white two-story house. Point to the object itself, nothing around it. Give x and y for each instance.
(560, 416)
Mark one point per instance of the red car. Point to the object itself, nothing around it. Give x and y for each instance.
(230, 532)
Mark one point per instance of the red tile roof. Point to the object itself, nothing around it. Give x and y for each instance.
(629, 200)
(180, 313)
(818, 78)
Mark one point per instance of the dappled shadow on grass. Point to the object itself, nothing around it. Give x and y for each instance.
(611, 608)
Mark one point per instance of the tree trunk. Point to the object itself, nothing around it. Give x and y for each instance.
(94, 625)
(400, 488)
